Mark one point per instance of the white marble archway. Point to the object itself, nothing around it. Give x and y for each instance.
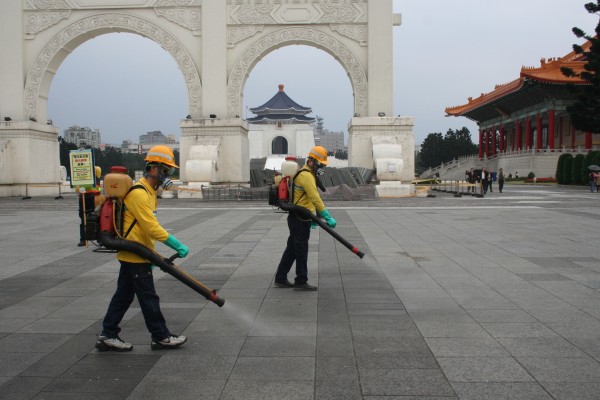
(216, 44)
(66, 40)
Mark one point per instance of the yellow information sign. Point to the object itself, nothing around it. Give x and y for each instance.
(82, 168)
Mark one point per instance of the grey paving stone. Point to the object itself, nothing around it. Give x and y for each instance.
(518, 329)
(403, 382)
(466, 347)
(284, 328)
(53, 326)
(537, 347)
(278, 346)
(274, 368)
(495, 390)
(88, 385)
(32, 342)
(337, 389)
(440, 315)
(391, 347)
(201, 389)
(10, 325)
(334, 346)
(336, 368)
(184, 367)
(24, 387)
(451, 329)
(501, 316)
(268, 390)
(483, 369)
(562, 369)
(573, 391)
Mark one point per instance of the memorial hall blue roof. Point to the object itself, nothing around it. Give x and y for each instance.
(281, 104)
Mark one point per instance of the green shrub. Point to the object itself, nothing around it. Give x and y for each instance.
(576, 169)
(530, 175)
(567, 168)
(560, 166)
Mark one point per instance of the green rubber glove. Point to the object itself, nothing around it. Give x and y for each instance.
(328, 218)
(181, 249)
(313, 225)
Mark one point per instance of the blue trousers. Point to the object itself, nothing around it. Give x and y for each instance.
(295, 250)
(135, 279)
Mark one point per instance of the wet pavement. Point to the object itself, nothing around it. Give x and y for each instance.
(456, 298)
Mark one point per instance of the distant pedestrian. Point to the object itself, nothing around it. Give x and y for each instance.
(500, 179)
(470, 178)
(484, 180)
(592, 181)
(490, 181)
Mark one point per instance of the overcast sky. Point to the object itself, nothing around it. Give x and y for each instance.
(444, 52)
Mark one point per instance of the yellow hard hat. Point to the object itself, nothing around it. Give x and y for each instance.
(98, 171)
(319, 153)
(161, 154)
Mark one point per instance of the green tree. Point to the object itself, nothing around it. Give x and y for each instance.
(432, 150)
(341, 155)
(63, 149)
(585, 112)
(436, 149)
(458, 143)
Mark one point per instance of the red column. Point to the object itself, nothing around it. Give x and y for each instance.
(538, 132)
(588, 140)
(502, 149)
(518, 139)
(527, 133)
(560, 133)
(486, 138)
(480, 144)
(513, 141)
(551, 130)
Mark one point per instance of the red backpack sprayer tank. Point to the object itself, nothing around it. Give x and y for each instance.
(117, 185)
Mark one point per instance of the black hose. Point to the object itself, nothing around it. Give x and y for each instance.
(306, 213)
(166, 264)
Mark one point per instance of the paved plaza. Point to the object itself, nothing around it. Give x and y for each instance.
(456, 298)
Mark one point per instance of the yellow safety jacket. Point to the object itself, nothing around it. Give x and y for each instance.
(140, 206)
(305, 191)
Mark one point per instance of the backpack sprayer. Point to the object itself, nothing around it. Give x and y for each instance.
(282, 196)
(117, 184)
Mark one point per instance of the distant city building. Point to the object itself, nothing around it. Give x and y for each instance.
(82, 136)
(154, 137)
(129, 146)
(332, 141)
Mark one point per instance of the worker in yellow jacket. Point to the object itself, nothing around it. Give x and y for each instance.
(135, 274)
(305, 195)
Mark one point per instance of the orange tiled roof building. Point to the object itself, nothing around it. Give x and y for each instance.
(529, 113)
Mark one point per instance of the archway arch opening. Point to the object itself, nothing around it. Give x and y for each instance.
(124, 85)
(311, 77)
